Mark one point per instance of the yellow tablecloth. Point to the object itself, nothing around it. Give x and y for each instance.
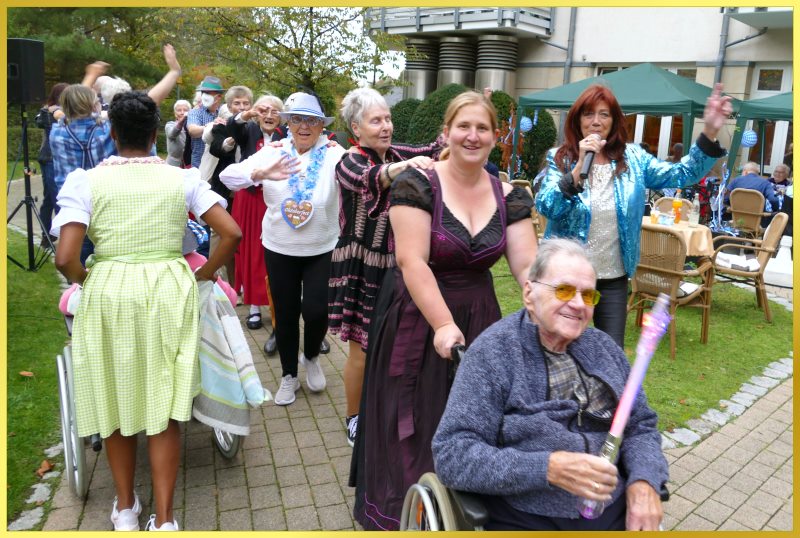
(699, 241)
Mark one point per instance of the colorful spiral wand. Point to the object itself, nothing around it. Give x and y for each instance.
(654, 325)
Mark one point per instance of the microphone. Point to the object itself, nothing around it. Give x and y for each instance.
(588, 159)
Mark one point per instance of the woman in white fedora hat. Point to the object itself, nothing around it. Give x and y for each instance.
(299, 232)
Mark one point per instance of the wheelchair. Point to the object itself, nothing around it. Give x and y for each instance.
(74, 453)
(430, 506)
(75, 466)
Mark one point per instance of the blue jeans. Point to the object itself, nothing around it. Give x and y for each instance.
(611, 312)
(50, 191)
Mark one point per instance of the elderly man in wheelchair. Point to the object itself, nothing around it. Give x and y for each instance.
(531, 405)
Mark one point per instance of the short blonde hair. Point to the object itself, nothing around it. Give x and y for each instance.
(237, 92)
(77, 101)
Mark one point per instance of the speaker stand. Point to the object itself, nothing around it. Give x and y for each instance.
(37, 257)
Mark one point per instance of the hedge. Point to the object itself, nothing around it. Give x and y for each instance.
(427, 121)
(537, 141)
(402, 112)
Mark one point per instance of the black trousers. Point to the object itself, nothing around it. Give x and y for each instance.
(299, 285)
(612, 310)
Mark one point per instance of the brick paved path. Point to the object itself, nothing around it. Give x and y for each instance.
(740, 477)
(290, 474)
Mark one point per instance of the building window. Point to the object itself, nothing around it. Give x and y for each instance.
(606, 70)
(691, 74)
(770, 80)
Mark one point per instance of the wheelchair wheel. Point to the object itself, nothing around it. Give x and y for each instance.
(74, 455)
(427, 507)
(227, 443)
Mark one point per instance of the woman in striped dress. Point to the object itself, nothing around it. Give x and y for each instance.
(135, 336)
(365, 249)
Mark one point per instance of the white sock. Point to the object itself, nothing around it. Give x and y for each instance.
(254, 309)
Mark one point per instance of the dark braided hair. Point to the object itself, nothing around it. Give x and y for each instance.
(134, 117)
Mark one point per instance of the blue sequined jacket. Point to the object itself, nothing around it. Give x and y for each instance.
(570, 215)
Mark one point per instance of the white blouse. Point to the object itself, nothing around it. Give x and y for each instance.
(75, 197)
(320, 233)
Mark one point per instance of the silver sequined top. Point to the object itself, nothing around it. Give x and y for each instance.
(603, 240)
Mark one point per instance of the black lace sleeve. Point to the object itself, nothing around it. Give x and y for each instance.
(412, 188)
(518, 205)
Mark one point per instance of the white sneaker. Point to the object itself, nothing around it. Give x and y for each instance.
(315, 377)
(151, 525)
(127, 519)
(285, 394)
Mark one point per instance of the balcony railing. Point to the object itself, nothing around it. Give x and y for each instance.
(410, 21)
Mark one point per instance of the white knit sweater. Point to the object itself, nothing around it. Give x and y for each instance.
(317, 236)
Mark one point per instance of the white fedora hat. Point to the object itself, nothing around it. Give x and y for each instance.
(304, 104)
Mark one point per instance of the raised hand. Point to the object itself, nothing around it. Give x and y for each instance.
(171, 58)
(282, 168)
(718, 110)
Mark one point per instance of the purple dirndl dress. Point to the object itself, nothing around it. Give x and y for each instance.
(406, 382)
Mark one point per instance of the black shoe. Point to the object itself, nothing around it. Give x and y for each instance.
(324, 347)
(254, 321)
(271, 345)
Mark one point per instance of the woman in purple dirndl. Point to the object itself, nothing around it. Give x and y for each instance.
(451, 224)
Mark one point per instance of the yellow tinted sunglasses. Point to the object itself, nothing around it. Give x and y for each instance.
(565, 292)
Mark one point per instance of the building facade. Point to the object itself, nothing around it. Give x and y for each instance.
(525, 50)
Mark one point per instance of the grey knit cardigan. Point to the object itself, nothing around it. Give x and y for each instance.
(499, 427)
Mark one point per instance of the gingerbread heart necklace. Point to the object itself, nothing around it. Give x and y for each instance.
(297, 210)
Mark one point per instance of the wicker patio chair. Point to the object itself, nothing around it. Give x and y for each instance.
(539, 221)
(661, 270)
(763, 248)
(747, 209)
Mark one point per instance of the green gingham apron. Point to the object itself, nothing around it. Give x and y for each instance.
(135, 336)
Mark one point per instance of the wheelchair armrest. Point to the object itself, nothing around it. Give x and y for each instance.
(664, 493)
(470, 507)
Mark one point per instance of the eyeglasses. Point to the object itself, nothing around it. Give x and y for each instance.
(565, 292)
(311, 121)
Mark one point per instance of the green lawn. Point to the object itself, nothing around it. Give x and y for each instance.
(36, 334)
(740, 344)
(13, 172)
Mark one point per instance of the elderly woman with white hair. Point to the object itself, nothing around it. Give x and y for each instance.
(365, 250)
(298, 233)
(176, 133)
(251, 129)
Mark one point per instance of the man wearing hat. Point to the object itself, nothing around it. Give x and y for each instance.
(211, 91)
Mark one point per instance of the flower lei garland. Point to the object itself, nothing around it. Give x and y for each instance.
(311, 176)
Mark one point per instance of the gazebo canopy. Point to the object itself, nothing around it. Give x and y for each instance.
(778, 107)
(640, 89)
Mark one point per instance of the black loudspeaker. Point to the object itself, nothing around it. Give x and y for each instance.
(25, 71)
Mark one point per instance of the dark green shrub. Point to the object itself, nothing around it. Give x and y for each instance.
(426, 123)
(537, 141)
(14, 148)
(402, 113)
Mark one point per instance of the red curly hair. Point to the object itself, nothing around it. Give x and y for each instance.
(617, 138)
